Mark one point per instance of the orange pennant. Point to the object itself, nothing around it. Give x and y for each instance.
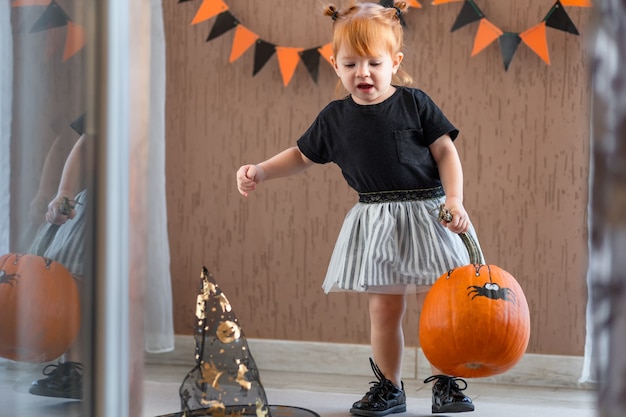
(487, 33)
(244, 39)
(20, 3)
(414, 3)
(208, 9)
(74, 41)
(437, 2)
(288, 61)
(326, 51)
(536, 40)
(577, 3)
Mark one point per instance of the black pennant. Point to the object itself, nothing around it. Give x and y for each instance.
(508, 45)
(311, 60)
(79, 124)
(52, 17)
(224, 22)
(262, 53)
(557, 18)
(469, 13)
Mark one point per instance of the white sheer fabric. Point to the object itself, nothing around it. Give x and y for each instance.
(159, 328)
(589, 372)
(6, 81)
(150, 284)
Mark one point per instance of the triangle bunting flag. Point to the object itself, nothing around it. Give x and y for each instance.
(311, 60)
(577, 3)
(558, 18)
(535, 39)
(52, 17)
(487, 33)
(508, 45)
(326, 52)
(243, 40)
(288, 59)
(74, 41)
(208, 9)
(224, 22)
(469, 13)
(262, 53)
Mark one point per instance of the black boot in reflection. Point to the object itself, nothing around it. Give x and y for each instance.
(64, 380)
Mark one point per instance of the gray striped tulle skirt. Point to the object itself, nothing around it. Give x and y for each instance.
(394, 244)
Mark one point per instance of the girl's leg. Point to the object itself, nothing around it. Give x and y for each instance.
(386, 336)
(387, 395)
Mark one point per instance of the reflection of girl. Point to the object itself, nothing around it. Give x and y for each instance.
(62, 239)
(67, 209)
(395, 148)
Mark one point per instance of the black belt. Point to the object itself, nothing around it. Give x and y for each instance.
(402, 195)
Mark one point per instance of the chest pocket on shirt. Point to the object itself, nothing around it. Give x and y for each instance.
(410, 151)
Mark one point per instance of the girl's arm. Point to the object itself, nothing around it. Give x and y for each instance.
(289, 162)
(451, 172)
(72, 182)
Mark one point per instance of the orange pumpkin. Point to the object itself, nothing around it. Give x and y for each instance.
(39, 308)
(475, 320)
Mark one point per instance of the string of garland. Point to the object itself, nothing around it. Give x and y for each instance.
(244, 38)
(534, 37)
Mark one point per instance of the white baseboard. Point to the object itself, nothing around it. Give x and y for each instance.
(351, 359)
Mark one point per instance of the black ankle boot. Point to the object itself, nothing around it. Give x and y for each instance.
(383, 397)
(64, 380)
(447, 395)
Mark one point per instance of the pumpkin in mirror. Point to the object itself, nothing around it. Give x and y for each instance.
(475, 320)
(39, 308)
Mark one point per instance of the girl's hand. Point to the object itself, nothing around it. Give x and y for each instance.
(460, 222)
(248, 176)
(60, 210)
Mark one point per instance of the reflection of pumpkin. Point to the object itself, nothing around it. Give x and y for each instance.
(475, 320)
(39, 308)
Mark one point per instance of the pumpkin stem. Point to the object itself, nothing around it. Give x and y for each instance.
(475, 255)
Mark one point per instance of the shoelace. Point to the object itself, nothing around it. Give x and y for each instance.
(378, 387)
(62, 368)
(450, 381)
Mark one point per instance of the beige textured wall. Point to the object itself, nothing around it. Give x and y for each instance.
(524, 144)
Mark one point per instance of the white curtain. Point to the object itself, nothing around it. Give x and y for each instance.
(591, 358)
(150, 282)
(6, 89)
(159, 328)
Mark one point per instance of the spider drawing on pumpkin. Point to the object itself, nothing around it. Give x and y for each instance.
(493, 291)
(10, 279)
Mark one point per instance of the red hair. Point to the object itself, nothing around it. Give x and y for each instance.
(368, 29)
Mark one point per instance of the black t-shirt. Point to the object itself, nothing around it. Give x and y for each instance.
(380, 147)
